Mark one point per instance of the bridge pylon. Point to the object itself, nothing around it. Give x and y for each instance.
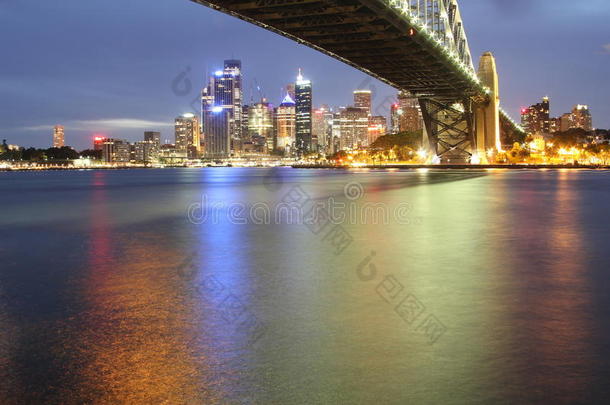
(487, 110)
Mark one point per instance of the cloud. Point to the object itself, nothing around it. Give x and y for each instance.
(606, 48)
(108, 124)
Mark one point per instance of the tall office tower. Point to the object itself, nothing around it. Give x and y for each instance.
(378, 125)
(152, 151)
(232, 68)
(58, 136)
(188, 134)
(410, 118)
(303, 102)
(260, 124)
(218, 112)
(536, 118)
(362, 99)
(318, 128)
(354, 123)
(322, 123)
(285, 119)
(335, 145)
(581, 117)
(395, 112)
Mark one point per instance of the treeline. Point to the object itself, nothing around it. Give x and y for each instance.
(45, 155)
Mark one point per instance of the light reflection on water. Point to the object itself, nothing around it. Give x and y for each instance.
(94, 307)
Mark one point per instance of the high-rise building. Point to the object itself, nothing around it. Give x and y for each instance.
(303, 106)
(377, 127)
(145, 152)
(58, 136)
(116, 151)
(285, 119)
(98, 142)
(233, 68)
(188, 134)
(354, 124)
(154, 139)
(290, 90)
(409, 114)
(581, 117)
(260, 123)
(153, 136)
(536, 118)
(362, 99)
(322, 123)
(222, 111)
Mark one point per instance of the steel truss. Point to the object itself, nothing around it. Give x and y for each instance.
(450, 128)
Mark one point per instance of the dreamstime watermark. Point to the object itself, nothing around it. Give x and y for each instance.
(224, 302)
(291, 210)
(406, 305)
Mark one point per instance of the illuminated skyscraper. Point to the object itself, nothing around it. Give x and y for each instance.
(58, 136)
(285, 124)
(303, 102)
(410, 118)
(377, 127)
(222, 111)
(362, 99)
(260, 123)
(188, 133)
(354, 124)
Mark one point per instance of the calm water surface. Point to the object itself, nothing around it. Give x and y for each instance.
(109, 293)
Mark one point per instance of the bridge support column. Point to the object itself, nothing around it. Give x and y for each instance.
(450, 129)
(488, 110)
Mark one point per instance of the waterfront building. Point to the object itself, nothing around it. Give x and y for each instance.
(116, 151)
(303, 108)
(98, 142)
(188, 134)
(58, 136)
(285, 119)
(581, 117)
(536, 118)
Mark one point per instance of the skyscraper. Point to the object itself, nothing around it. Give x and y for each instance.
(222, 120)
(285, 124)
(58, 136)
(354, 123)
(188, 133)
(377, 127)
(409, 113)
(260, 123)
(303, 103)
(362, 99)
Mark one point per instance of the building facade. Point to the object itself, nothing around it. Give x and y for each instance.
(261, 124)
(354, 126)
(536, 118)
(303, 108)
(362, 99)
(285, 119)
(188, 134)
(58, 136)
(116, 151)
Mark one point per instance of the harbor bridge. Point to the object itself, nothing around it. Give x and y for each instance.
(419, 46)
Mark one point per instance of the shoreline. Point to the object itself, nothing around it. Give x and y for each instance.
(344, 167)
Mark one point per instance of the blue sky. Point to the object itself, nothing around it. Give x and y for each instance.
(121, 67)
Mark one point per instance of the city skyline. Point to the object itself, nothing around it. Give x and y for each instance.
(131, 96)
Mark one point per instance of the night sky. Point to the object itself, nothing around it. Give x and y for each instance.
(115, 67)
